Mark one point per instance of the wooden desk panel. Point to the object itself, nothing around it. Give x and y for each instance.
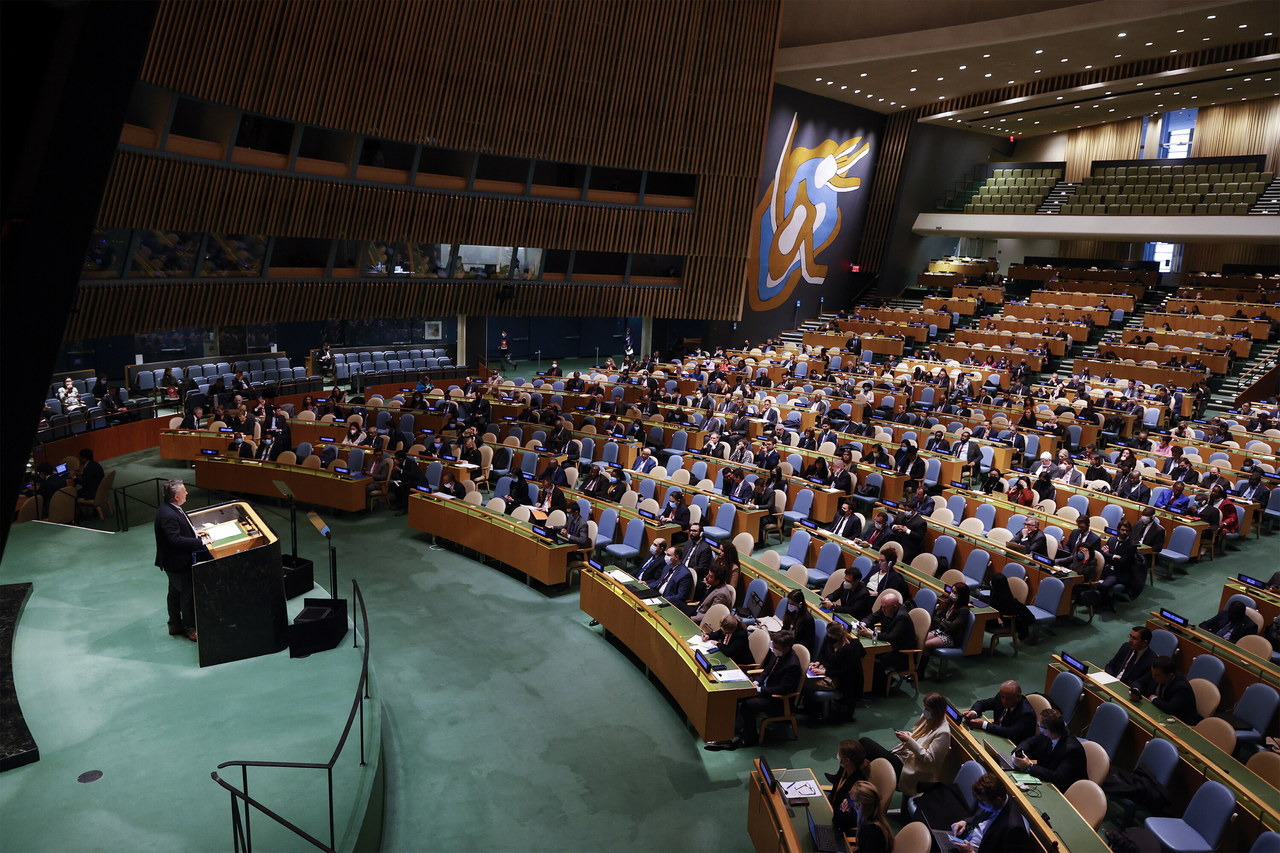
(711, 706)
(1036, 311)
(1259, 330)
(1008, 340)
(1124, 302)
(1212, 343)
(1242, 668)
(249, 476)
(1217, 363)
(496, 536)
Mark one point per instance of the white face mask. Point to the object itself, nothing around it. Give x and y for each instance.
(846, 585)
(653, 549)
(671, 561)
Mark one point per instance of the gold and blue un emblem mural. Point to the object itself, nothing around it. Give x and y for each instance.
(799, 216)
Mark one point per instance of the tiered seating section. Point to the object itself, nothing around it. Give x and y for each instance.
(1013, 191)
(375, 362)
(1160, 190)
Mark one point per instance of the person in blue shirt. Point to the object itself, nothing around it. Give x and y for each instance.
(1174, 499)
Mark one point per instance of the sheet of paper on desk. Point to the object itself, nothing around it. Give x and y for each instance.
(223, 530)
(471, 465)
(772, 624)
(1101, 677)
(620, 575)
(445, 495)
(653, 602)
(696, 642)
(731, 675)
(803, 788)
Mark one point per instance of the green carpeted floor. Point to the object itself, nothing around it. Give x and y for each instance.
(512, 725)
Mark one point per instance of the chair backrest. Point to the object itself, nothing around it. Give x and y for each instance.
(921, 619)
(884, 779)
(1108, 727)
(894, 548)
(799, 547)
(1208, 667)
(1207, 696)
(832, 584)
(951, 577)
(1257, 705)
(496, 505)
(1088, 798)
(1218, 732)
(1159, 758)
(975, 567)
(799, 574)
(758, 640)
(1209, 811)
(1164, 642)
(770, 559)
(913, 838)
(1049, 594)
(714, 616)
(973, 525)
(744, 542)
(1019, 589)
(1065, 694)
(1254, 644)
(1098, 761)
(926, 563)
(1038, 702)
(1266, 765)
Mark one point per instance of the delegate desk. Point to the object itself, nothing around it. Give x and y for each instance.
(1095, 301)
(777, 827)
(1268, 602)
(653, 529)
(1213, 307)
(959, 352)
(492, 534)
(1167, 376)
(953, 304)
(1126, 288)
(1242, 668)
(1259, 330)
(746, 518)
(658, 634)
(1036, 311)
(1014, 325)
(1199, 760)
(187, 444)
(939, 280)
(825, 499)
(1011, 342)
(990, 294)
(1132, 510)
(1056, 826)
(904, 327)
(1200, 342)
(310, 485)
(964, 266)
(870, 341)
(1215, 363)
(979, 374)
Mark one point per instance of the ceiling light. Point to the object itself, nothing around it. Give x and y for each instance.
(1231, 88)
(1175, 50)
(985, 112)
(1211, 17)
(986, 56)
(1117, 56)
(1231, 69)
(963, 67)
(1037, 70)
(831, 82)
(942, 97)
(842, 88)
(857, 91)
(1158, 105)
(1059, 98)
(1182, 31)
(988, 74)
(863, 74)
(880, 100)
(1037, 122)
(870, 96)
(912, 89)
(1148, 44)
(1062, 60)
(1087, 67)
(1142, 84)
(1121, 35)
(893, 103)
(1010, 83)
(1038, 52)
(817, 79)
(940, 79)
(1242, 26)
(914, 70)
(1113, 109)
(1019, 119)
(1206, 38)
(1076, 107)
(1248, 79)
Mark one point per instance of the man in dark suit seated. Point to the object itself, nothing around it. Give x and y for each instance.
(1231, 623)
(1030, 540)
(852, 598)
(654, 567)
(1170, 691)
(732, 639)
(675, 583)
(1132, 661)
(1012, 715)
(193, 420)
(782, 676)
(996, 826)
(840, 479)
(1052, 754)
(908, 531)
(845, 524)
(895, 628)
(697, 551)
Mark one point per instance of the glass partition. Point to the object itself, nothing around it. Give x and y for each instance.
(105, 254)
(165, 254)
(233, 255)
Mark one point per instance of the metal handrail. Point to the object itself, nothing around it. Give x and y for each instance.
(241, 831)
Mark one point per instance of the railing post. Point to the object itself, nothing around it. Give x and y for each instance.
(362, 762)
(248, 830)
(329, 774)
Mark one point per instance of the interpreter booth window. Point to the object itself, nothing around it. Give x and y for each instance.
(528, 264)
(233, 256)
(484, 261)
(379, 258)
(1168, 255)
(165, 254)
(1177, 129)
(430, 260)
(105, 254)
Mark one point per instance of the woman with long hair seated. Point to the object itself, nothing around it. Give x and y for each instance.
(919, 755)
(862, 816)
(950, 619)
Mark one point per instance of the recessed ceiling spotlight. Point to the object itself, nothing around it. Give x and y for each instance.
(942, 97)
(914, 70)
(1211, 17)
(1182, 31)
(1019, 119)
(1107, 93)
(1158, 105)
(1059, 98)
(912, 89)
(817, 79)
(1206, 38)
(1121, 35)
(857, 91)
(988, 74)
(986, 56)
(1248, 79)
(1242, 27)
(1076, 107)
(1142, 84)
(1231, 69)
(870, 96)
(1010, 83)
(1037, 70)
(940, 79)
(1113, 109)
(893, 103)
(963, 67)
(1037, 122)
(985, 112)
(880, 100)
(1038, 52)
(831, 82)
(863, 74)
(1231, 88)
(1087, 67)
(1175, 50)
(842, 88)
(1117, 56)
(1148, 44)
(1062, 60)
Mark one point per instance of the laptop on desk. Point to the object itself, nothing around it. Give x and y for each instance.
(824, 835)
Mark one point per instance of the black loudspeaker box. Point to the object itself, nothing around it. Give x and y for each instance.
(319, 627)
(299, 576)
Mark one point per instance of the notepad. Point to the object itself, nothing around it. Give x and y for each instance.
(653, 602)
(803, 788)
(620, 576)
(1101, 677)
(731, 675)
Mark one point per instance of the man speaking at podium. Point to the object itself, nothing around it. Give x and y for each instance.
(177, 543)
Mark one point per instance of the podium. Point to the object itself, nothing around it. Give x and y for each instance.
(239, 589)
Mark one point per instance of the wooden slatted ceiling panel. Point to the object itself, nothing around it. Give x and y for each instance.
(105, 309)
(884, 189)
(662, 84)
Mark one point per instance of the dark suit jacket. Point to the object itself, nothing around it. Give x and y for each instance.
(680, 514)
(1061, 764)
(1007, 832)
(176, 540)
(843, 482)
(1035, 543)
(653, 569)
(1177, 698)
(855, 602)
(852, 528)
(698, 557)
(1017, 723)
(898, 631)
(1137, 673)
(738, 646)
(912, 540)
(1243, 628)
(781, 675)
(680, 585)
